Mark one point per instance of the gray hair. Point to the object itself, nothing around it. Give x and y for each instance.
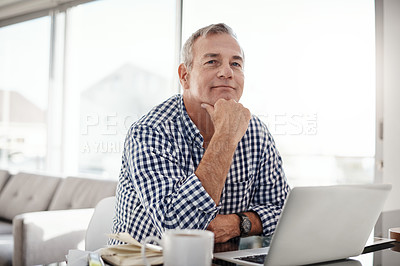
(187, 50)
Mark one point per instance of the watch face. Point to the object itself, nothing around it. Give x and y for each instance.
(246, 225)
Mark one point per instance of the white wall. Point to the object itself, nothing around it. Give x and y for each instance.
(391, 99)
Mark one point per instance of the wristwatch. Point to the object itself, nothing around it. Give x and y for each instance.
(245, 224)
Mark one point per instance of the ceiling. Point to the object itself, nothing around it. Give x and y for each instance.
(12, 11)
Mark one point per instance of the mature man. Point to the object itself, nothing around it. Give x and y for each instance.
(200, 160)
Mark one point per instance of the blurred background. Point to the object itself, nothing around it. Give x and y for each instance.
(74, 75)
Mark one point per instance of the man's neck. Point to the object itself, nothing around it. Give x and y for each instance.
(202, 120)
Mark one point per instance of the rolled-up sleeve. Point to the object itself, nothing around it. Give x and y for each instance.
(271, 188)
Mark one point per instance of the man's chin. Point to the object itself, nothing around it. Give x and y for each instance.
(226, 97)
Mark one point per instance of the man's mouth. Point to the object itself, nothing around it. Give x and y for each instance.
(222, 87)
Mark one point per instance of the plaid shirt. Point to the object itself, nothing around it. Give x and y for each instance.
(158, 188)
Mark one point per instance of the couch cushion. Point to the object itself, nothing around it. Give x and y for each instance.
(27, 193)
(4, 175)
(76, 193)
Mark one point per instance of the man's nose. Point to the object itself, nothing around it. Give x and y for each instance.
(225, 71)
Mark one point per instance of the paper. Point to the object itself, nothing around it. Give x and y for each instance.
(130, 253)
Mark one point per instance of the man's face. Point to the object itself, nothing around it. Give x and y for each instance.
(217, 70)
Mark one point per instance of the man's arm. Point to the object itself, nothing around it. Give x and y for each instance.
(214, 166)
(265, 207)
(230, 120)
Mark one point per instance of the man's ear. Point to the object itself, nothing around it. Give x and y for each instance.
(183, 76)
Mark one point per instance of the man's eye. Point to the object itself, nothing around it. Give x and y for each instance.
(236, 64)
(211, 62)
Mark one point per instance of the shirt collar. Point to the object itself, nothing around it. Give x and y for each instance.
(189, 128)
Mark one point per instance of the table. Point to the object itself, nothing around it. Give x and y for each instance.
(380, 255)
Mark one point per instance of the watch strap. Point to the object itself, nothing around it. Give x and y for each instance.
(244, 225)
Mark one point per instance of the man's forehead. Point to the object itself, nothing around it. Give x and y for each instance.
(213, 46)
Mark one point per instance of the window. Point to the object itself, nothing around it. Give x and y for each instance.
(121, 57)
(24, 72)
(310, 75)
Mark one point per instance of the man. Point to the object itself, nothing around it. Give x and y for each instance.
(201, 160)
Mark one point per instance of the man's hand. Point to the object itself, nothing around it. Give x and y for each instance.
(224, 227)
(230, 119)
(227, 226)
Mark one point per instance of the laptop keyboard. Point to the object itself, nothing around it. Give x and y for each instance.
(259, 259)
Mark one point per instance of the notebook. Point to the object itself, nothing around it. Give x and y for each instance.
(320, 224)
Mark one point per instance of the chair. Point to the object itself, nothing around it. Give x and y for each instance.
(100, 224)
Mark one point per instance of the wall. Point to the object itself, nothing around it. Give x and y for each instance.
(388, 86)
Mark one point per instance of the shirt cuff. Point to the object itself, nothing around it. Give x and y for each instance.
(269, 216)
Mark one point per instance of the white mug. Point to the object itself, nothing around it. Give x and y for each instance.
(182, 247)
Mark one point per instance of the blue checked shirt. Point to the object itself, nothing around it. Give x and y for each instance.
(158, 188)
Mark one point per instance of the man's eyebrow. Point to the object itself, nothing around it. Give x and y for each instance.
(237, 57)
(212, 55)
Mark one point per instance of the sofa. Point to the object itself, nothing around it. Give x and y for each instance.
(42, 216)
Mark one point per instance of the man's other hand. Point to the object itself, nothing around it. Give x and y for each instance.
(224, 227)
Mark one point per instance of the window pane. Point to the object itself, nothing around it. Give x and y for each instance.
(24, 72)
(120, 64)
(310, 75)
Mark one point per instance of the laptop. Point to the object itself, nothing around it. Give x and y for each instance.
(320, 224)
